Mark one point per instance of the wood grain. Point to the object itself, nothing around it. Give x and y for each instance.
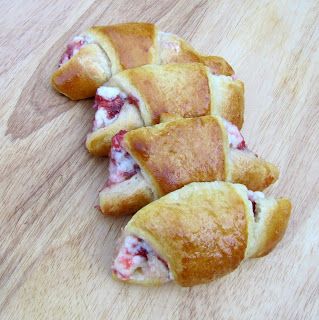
(55, 249)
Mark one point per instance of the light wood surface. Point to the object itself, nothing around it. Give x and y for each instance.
(56, 249)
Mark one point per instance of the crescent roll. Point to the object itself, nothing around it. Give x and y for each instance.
(149, 162)
(150, 94)
(102, 51)
(199, 233)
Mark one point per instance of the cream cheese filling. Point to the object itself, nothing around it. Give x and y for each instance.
(136, 260)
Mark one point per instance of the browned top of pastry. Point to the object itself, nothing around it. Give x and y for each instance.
(255, 173)
(228, 99)
(217, 65)
(181, 89)
(174, 49)
(184, 54)
(81, 75)
(133, 43)
(201, 230)
(176, 153)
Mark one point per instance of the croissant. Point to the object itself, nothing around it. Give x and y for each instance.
(150, 162)
(151, 94)
(102, 51)
(199, 233)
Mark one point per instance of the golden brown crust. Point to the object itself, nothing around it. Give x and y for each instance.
(187, 89)
(99, 142)
(167, 117)
(125, 198)
(204, 230)
(255, 173)
(227, 99)
(128, 45)
(174, 49)
(272, 227)
(168, 92)
(200, 230)
(176, 153)
(217, 65)
(83, 74)
(182, 89)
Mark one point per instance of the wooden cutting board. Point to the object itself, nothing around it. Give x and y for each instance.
(56, 249)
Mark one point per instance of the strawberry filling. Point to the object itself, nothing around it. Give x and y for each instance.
(236, 140)
(73, 48)
(254, 198)
(112, 107)
(121, 165)
(133, 101)
(137, 260)
(109, 102)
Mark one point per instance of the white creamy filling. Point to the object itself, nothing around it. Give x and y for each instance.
(169, 41)
(123, 165)
(136, 260)
(74, 46)
(255, 199)
(255, 195)
(234, 135)
(101, 116)
(110, 93)
(101, 119)
(170, 47)
(78, 38)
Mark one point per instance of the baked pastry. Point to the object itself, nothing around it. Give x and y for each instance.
(199, 233)
(150, 162)
(102, 51)
(150, 94)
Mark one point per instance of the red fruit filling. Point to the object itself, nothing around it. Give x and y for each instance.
(254, 197)
(254, 207)
(121, 165)
(109, 103)
(136, 259)
(236, 140)
(112, 107)
(132, 100)
(73, 47)
(242, 145)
